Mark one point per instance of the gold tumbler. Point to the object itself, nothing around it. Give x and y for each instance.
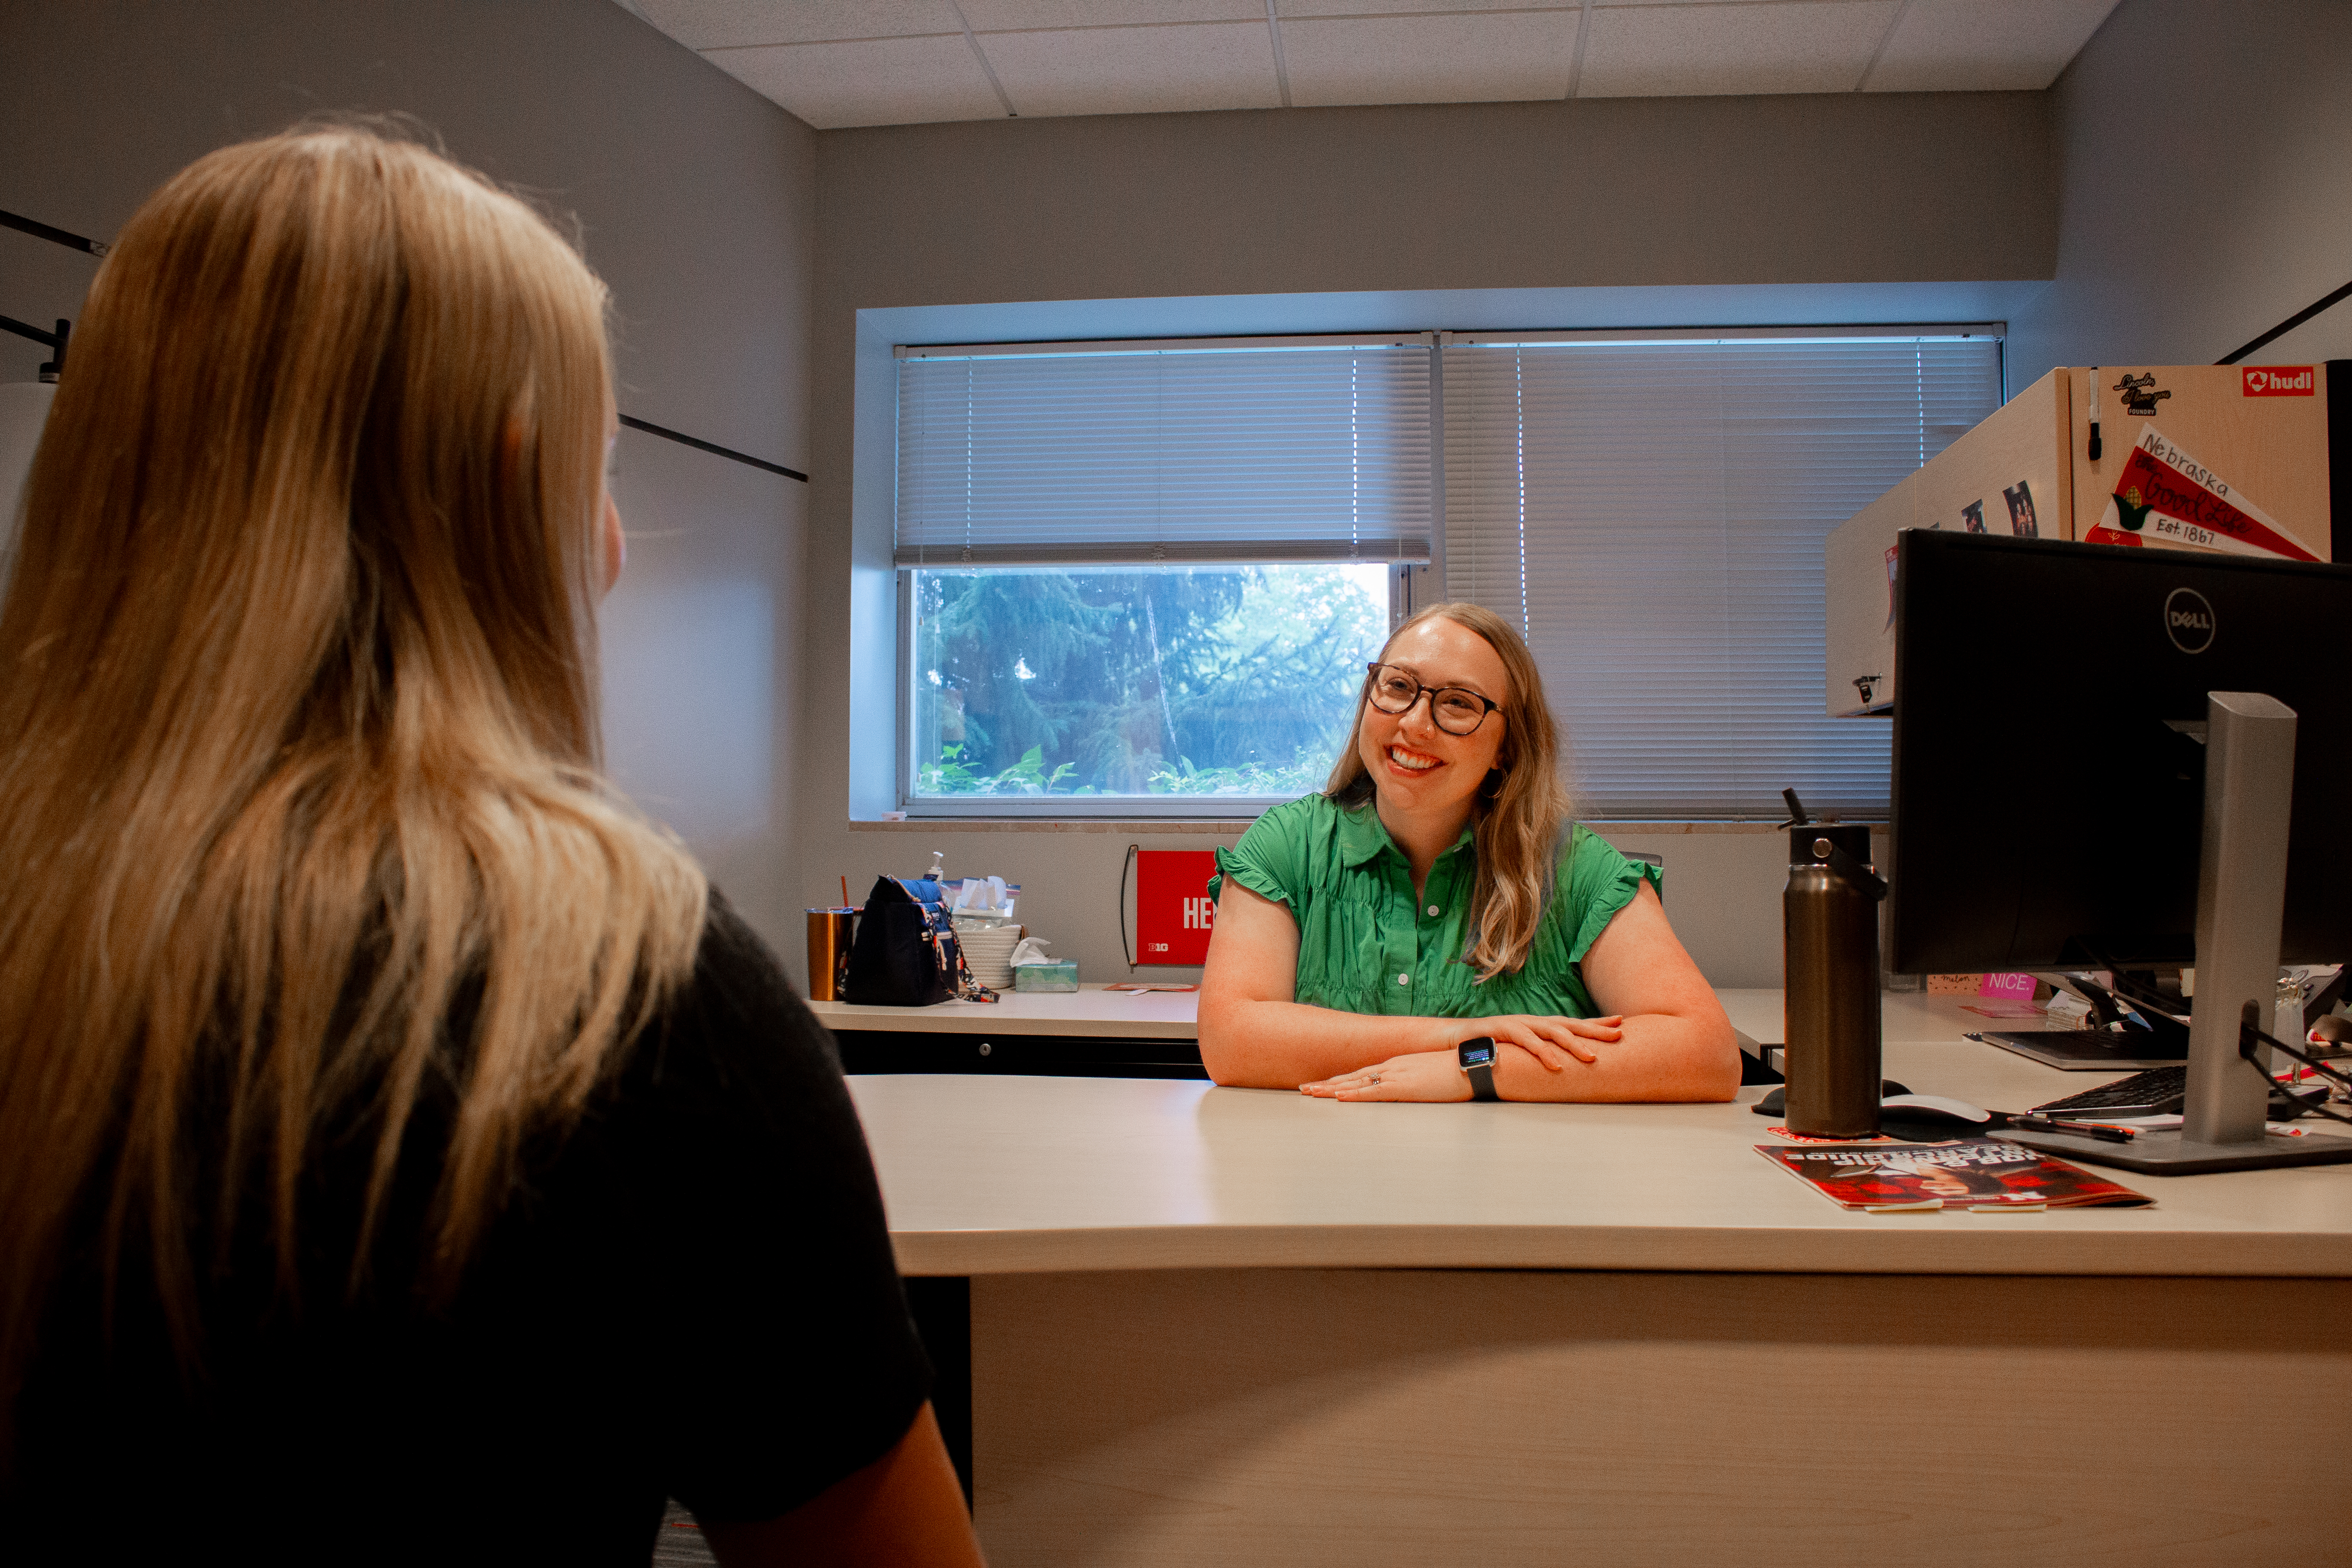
(828, 953)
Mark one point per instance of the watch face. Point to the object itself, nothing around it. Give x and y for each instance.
(1478, 1054)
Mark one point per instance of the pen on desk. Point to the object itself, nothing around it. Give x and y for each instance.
(2079, 1129)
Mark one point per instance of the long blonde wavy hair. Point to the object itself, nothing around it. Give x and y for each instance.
(1518, 817)
(297, 725)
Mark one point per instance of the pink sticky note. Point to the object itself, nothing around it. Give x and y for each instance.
(2016, 986)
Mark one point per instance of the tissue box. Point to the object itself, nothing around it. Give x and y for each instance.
(1059, 976)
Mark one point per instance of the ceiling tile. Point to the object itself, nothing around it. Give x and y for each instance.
(1289, 9)
(1985, 46)
(1137, 70)
(1009, 16)
(1632, 51)
(1467, 57)
(874, 81)
(727, 23)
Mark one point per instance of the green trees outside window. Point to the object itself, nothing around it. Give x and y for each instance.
(1233, 680)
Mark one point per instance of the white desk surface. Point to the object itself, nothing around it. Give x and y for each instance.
(986, 1174)
(1169, 1015)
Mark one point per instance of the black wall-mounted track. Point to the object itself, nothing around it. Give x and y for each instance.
(2324, 303)
(713, 448)
(98, 247)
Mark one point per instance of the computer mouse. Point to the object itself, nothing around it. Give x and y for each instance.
(1934, 1109)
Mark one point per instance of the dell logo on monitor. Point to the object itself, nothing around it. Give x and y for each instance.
(2189, 620)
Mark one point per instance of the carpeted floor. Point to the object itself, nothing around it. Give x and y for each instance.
(680, 1542)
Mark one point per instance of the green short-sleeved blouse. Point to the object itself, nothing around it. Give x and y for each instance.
(1365, 946)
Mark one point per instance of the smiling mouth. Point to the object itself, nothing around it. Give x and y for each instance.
(1413, 760)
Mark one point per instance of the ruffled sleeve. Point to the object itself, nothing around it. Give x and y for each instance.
(1271, 858)
(1595, 882)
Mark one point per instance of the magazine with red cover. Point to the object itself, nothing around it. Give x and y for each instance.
(1979, 1173)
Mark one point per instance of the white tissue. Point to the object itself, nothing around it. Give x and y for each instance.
(1030, 949)
(991, 896)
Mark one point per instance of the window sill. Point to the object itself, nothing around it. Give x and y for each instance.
(1230, 826)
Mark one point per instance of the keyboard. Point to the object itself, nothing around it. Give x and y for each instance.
(2159, 1091)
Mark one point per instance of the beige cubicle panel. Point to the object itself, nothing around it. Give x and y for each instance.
(2009, 475)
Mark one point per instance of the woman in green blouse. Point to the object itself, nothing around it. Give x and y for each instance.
(1437, 892)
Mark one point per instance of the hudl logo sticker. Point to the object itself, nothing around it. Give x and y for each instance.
(2281, 380)
(2140, 395)
(2189, 620)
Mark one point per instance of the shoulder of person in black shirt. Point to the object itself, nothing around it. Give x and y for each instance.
(689, 1293)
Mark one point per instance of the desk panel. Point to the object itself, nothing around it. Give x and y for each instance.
(999, 1053)
(1363, 1419)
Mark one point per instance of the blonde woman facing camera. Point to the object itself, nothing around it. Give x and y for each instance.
(404, 1156)
(1435, 926)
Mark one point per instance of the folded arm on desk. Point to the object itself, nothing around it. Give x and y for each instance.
(1254, 1034)
(1677, 1045)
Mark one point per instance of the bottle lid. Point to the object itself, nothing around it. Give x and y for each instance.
(1805, 844)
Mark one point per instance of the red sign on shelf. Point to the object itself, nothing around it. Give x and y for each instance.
(1173, 910)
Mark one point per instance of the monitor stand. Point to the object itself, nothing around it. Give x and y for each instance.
(2240, 897)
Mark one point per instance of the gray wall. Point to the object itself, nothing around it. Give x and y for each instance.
(696, 200)
(1852, 188)
(2207, 188)
(1373, 201)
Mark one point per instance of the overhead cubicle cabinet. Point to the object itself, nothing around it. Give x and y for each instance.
(2232, 459)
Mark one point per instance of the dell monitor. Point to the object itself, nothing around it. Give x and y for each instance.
(2050, 761)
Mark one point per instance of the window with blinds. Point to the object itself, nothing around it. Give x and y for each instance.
(1262, 450)
(1652, 515)
(1154, 569)
(1150, 573)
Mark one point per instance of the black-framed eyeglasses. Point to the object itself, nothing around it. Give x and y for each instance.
(1456, 710)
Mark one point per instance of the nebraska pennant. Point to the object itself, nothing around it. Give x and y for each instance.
(2166, 496)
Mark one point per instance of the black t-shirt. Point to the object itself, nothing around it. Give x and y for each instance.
(692, 1294)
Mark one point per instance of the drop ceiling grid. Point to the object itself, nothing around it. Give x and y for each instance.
(840, 63)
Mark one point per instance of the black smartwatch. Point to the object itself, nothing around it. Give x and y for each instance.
(1477, 1059)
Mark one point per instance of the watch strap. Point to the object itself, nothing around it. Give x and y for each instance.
(1480, 1074)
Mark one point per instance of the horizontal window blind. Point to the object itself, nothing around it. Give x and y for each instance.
(1652, 515)
(1284, 452)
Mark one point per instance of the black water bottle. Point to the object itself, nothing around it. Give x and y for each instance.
(1830, 979)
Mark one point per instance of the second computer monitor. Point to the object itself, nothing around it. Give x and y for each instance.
(2049, 771)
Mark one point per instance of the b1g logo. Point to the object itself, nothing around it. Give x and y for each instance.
(2189, 620)
(2281, 380)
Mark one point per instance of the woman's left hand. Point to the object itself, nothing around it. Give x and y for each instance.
(1418, 1076)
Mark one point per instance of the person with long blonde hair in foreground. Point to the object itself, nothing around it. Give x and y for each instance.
(404, 1156)
(1436, 926)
